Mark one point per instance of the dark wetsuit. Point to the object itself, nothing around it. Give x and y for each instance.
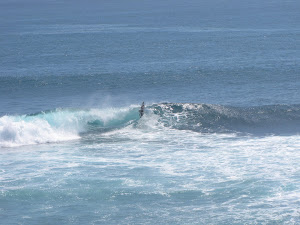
(141, 111)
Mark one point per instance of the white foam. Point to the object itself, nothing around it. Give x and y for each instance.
(17, 132)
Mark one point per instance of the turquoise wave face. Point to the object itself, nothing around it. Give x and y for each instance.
(61, 124)
(83, 119)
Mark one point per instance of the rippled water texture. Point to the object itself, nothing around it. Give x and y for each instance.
(219, 140)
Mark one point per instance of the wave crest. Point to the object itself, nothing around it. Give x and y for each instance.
(68, 124)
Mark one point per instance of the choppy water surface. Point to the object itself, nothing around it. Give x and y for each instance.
(218, 143)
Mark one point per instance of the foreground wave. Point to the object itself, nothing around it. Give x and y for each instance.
(68, 124)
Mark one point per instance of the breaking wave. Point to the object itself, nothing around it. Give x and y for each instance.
(60, 125)
(68, 124)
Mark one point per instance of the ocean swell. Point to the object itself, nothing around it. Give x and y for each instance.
(206, 118)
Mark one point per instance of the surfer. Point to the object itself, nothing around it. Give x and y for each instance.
(141, 111)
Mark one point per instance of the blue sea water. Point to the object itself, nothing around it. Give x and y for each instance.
(220, 138)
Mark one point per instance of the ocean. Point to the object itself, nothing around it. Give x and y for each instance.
(219, 140)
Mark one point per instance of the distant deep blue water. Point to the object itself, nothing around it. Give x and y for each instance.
(218, 144)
